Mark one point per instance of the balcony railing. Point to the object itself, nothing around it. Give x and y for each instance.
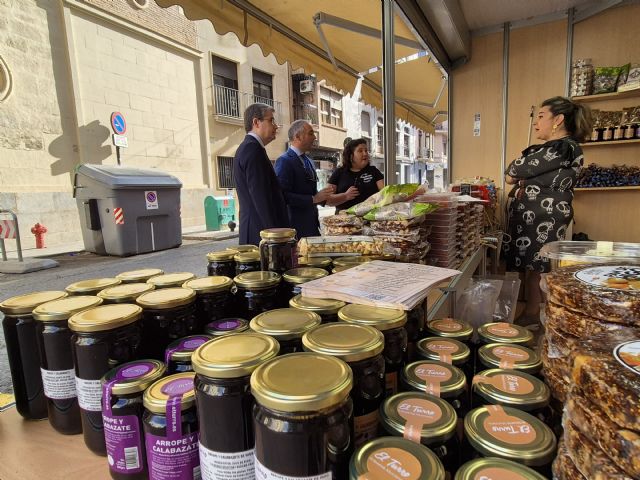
(231, 103)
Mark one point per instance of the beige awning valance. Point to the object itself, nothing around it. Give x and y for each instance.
(286, 29)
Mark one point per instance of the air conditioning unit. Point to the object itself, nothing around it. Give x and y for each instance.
(306, 86)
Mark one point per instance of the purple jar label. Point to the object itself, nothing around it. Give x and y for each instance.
(225, 324)
(127, 372)
(125, 453)
(175, 389)
(178, 387)
(173, 459)
(186, 345)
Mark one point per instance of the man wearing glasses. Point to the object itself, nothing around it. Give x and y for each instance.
(261, 200)
(299, 182)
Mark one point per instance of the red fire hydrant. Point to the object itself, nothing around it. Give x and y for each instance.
(39, 231)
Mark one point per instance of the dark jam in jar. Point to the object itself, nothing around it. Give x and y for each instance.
(124, 293)
(498, 468)
(317, 262)
(391, 323)
(247, 262)
(21, 340)
(177, 356)
(122, 409)
(415, 330)
(223, 368)
(56, 360)
(424, 419)
(286, 325)
(394, 457)
(447, 350)
(361, 348)
(325, 307)
(256, 292)
(213, 299)
(170, 426)
(169, 314)
(302, 429)
(91, 287)
(139, 276)
(170, 280)
(222, 264)
(226, 326)
(514, 357)
(293, 279)
(278, 250)
(103, 338)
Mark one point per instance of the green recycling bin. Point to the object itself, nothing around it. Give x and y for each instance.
(219, 211)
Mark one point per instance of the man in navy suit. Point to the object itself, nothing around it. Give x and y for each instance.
(261, 200)
(298, 179)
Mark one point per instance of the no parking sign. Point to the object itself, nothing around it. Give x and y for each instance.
(151, 197)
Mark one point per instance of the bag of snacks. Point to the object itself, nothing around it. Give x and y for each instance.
(605, 79)
(337, 246)
(389, 194)
(400, 211)
(342, 225)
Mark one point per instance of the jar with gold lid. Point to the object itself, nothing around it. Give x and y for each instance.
(169, 314)
(316, 262)
(103, 338)
(502, 332)
(170, 280)
(447, 350)
(221, 263)
(450, 328)
(214, 299)
(92, 286)
(139, 276)
(293, 279)
(244, 248)
(389, 458)
(361, 348)
(170, 425)
(391, 323)
(302, 406)
(226, 326)
(124, 293)
(256, 292)
(122, 409)
(354, 260)
(342, 268)
(56, 360)
(247, 262)
(286, 325)
(327, 308)
(223, 369)
(509, 433)
(496, 468)
(515, 357)
(278, 250)
(425, 419)
(20, 337)
(177, 356)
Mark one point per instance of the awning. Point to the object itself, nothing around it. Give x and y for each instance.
(286, 28)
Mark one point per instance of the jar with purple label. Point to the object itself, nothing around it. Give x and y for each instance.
(122, 408)
(170, 428)
(226, 326)
(177, 356)
(213, 299)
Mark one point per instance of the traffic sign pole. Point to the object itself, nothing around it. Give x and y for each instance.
(118, 155)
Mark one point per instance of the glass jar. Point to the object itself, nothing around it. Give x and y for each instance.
(496, 468)
(177, 356)
(103, 338)
(278, 250)
(302, 429)
(247, 262)
(244, 248)
(383, 455)
(139, 276)
(213, 299)
(511, 388)
(256, 292)
(341, 268)
(56, 360)
(509, 433)
(286, 325)
(125, 293)
(361, 348)
(449, 351)
(415, 330)
(391, 323)
(353, 260)
(226, 326)
(515, 357)
(502, 332)
(325, 307)
(170, 426)
(294, 278)
(440, 380)
(122, 409)
(169, 314)
(91, 287)
(170, 280)
(223, 394)
(424, 419)
(21, 340)
(222, 264)
(450, 328)
(316, 262)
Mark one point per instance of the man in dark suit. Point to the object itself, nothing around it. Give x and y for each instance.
(298, 179)
(261, 200)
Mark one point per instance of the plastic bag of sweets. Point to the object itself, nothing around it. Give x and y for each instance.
(342, 225)
(605, 79)
(400, 211)
(389, 194)
(563, 467)
(582, 326)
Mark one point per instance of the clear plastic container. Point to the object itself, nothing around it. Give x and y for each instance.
(566, 253)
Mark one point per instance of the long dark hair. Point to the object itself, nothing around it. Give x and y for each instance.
(347, 153)
(577, 117)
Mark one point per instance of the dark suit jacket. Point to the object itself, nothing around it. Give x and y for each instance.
(298, 187)
(262, 204)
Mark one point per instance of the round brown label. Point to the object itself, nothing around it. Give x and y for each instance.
(392, 464)
(508, 429)
(442, 346)
(514, 384)
(447, 325)
(503, 329)
(628, 354)
(493, 473)
(419, 410)
(433, 376)
(511, 354)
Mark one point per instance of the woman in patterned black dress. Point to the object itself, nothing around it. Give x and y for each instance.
(543, 176)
